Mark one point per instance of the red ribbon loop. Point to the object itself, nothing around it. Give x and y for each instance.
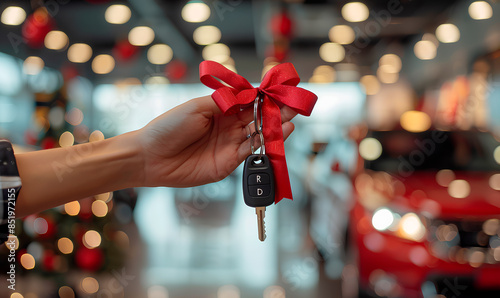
(279, 88)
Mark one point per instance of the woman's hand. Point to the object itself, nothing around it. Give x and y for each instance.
(194, 143)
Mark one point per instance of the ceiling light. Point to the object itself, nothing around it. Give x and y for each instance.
(355, 12)
(79, 53)
(103, 64)
(371, 84)
(141, 36)
(33, 65)
(415, 121)
(160, 54)
(331, 52)
(206, 35)
(447, 33)
(217, 52)
(56, 40)
(117, 14)
(195, 12)
(13, 15)
(391, 62)
(341, 34)
(425, 50)
(480, 10)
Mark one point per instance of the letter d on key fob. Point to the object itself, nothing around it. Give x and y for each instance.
(258, 181)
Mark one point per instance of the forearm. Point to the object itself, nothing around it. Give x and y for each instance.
(54, 177)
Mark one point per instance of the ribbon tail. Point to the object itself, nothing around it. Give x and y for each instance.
(275, 149)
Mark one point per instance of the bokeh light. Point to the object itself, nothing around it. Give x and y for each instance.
(27, 261)
(141, 36)
(382, 219)
(16, 295)
(386, 75)
(91, 239)
(494, 181)
(218, 52)
(99, 208)
(415, 121)
(391, 62)
(341, 34)
(66, 292)
(74, 116)
(96, 135)
(332, 52)
(33, 65)
(117, 14)
(496, 154)
(41, 226)
(480, 10)
(66, 139)
(447, 33)
(412, 227)
(355, 12)
(160, 54)
(13, 16)
(56, 40)
(65, 245)
(459, 189)
(79, 53)
(90, 285)
(371, 84)
(444, 177)
(323, 74)
(370, 149)
(206, 35)
(425, 50)
(103, 64)
(195, 12)
(72, 208)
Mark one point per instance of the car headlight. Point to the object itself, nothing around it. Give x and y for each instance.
(408, 226)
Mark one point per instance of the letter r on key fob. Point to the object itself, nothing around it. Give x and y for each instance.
(258, 181)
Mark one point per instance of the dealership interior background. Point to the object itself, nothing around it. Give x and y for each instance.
(395, 175)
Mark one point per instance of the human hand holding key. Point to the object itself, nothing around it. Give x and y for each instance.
(277, 91)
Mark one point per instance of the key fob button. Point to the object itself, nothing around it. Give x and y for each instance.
(259, 191)
(257, 179)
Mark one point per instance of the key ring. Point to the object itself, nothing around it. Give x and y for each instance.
(257, 111)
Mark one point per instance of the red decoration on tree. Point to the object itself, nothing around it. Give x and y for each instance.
(89, 259)
(36, 27)
(48, 260)
(176, 70)
(124, 51)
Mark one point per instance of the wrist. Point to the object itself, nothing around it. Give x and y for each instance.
(129, 159)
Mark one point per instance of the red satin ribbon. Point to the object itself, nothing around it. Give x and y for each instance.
(279, 88)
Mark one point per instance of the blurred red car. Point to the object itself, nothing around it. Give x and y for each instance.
(426, 215)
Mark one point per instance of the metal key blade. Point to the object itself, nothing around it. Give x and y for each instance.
(261, 214)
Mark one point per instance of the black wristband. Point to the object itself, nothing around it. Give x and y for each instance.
(10, 185)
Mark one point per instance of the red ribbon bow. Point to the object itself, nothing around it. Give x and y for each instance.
(279, 87)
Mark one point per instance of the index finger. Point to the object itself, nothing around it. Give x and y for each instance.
(287, 114)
